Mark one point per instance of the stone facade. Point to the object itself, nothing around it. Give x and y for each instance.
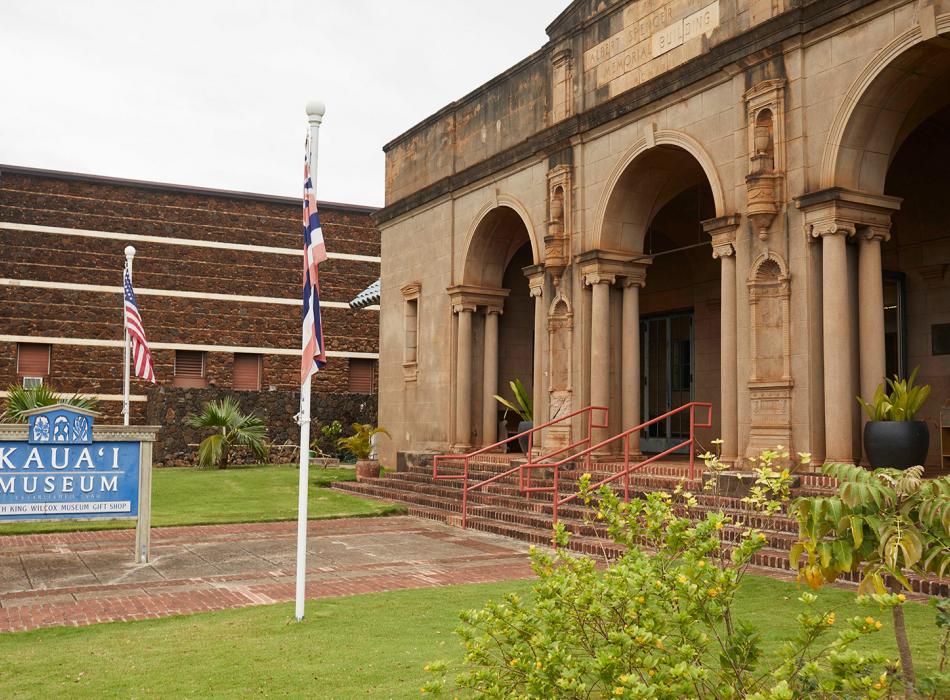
(732, 202)
(215, 272)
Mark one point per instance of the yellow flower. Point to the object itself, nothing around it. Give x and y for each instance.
(537, 665)
(624, 678)
(600, 516)
(514, 662)
(701, 563)
(641, 600)
(901, 597)
(785, 473)
(719, 526)
(618, 690)
(713, 592)
(878, 625)
(422, 691)
(830, 619)
(883, 678)
(651, 672)
(682, 579)
(870, 620)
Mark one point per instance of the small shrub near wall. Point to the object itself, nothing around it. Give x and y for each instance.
(177, 443)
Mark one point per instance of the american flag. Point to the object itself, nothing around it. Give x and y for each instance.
(141, 357)
(314, 253)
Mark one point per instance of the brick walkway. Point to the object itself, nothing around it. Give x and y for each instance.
(82, 578)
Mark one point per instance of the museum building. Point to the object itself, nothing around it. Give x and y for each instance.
(743, 203)
(217, 276)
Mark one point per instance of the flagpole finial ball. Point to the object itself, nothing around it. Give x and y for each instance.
(315, 108)
(129, 251)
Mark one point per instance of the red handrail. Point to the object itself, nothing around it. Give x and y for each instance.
(466, 458)
(626, 471)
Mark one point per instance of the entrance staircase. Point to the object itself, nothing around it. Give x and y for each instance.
(514, 497)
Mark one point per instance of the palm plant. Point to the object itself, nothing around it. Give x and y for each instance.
(21, 399)
(233, 428)
(360, 443)
(901, 404)
(523, 407)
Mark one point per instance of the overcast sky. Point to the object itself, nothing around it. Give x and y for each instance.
(212, 93)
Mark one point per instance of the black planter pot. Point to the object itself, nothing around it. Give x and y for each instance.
(897, 444)
(523, 440)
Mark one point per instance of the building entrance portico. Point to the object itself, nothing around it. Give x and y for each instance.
(762, 230)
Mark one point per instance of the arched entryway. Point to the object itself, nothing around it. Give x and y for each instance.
(656, 327)
(882, 219)
(494, 323)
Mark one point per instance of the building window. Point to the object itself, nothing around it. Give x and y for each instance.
(361, 379)
(190, 369)
(32, 364)
(410, 357)
(247, 371)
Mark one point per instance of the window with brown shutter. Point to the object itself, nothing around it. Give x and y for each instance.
(247, 371)
(190, 369)
(32, 363)
(361, 376)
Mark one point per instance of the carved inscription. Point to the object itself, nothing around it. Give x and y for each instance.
(652, 29)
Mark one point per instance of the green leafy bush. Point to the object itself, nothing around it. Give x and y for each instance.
(881, 523)
(903, 402)
(20, 399)
(325, 443)
(657, 622)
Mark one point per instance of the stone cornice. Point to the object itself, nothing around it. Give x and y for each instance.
(466, 297)
(604, 265)
(768, 35)
(836, 211)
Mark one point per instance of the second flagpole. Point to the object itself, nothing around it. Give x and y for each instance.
(315, 112)
(129, 254)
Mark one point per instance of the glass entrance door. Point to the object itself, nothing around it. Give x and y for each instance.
(666, 350)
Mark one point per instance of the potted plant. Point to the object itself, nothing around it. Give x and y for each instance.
(523, 407)
(892, 438)
(360, 445)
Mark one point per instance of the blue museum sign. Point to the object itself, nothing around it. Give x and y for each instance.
(62, 472)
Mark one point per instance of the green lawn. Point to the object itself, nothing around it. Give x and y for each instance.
(257, 493)
(372, 646)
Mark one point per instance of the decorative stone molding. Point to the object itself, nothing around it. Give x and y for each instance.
(535, 275)
(411, 290)
(466, 297)
(770, 383)
(562, 80)
(765, 183)
(600, 267)
(557, 242)
(838, 211)
(722, 230)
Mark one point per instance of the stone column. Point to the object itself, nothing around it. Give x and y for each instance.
(463, 378)
(600, 343)
(871, 310)
(537, 293)
(490, 381)
(837, 349)
(723, 233)
(630, 357)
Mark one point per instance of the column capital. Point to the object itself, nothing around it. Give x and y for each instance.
(489, 310)
(636, 276)
(467, 297)
(535, 275)
(871, 234)
(592, 278)
(831, 227)
(722, 231)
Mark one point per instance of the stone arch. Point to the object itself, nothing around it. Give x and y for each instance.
(500, 229)
(629, 201)
(876, 117)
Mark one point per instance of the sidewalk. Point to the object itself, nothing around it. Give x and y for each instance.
(82, 578)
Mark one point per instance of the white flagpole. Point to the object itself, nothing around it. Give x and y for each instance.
(315, 112)
(129, 254)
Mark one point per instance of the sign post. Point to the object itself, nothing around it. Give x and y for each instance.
(54, 468)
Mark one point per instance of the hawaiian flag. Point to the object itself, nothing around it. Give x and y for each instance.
(314, 253)
(141, 356)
